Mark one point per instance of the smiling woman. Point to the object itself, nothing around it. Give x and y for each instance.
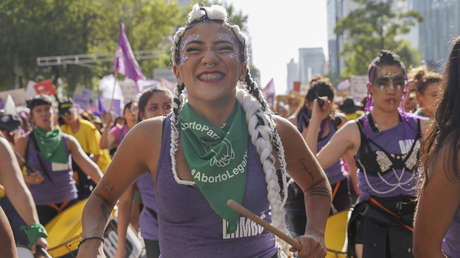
(222, 143)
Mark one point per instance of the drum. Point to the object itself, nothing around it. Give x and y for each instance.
(64, 235)
(335, 236)
(64, 231)
(24, 252)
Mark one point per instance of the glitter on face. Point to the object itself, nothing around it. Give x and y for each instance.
(228, 37)
(190, 38)
(225, 36)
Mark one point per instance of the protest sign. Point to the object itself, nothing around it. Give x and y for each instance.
(358, 88)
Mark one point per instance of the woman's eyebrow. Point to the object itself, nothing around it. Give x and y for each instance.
(195, 42)
(223, 42)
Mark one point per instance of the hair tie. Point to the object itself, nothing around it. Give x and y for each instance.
(205, 17)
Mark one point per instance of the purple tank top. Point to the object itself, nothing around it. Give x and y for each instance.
(62, 187)
(336, 172)
(189, 227)
(397, 140)
(148, 218)
(451, 241)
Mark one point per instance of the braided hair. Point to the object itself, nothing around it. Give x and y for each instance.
(261, 125)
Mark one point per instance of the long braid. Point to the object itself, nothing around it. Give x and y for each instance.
(177, 107)
(254, 90)
(260, 122)
(261, 131)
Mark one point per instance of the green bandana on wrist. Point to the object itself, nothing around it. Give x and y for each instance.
(217, 158)
(50, 144)
(34, 232)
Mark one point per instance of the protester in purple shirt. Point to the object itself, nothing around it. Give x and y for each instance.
(384, 142)
(222, 143)
(153, 102)
(336, 174)
(47, 153)
(437, 222)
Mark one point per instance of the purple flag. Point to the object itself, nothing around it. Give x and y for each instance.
(100, 106)
(269, 92)
(125, 62)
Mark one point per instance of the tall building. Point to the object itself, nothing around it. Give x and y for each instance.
(332, 39)
(336, 9)
(311, 62)
(441, 24)
(292, 74)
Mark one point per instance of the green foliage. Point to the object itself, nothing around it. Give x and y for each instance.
(372, 27)
(37, 28)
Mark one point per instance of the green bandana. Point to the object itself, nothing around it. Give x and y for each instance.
(217, 158)
(34, 232)
(51, 145)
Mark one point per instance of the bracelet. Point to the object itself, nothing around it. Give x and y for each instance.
(34, 232)
(89, 238)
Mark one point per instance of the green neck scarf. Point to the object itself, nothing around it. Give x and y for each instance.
(217, 158)
(51, 145)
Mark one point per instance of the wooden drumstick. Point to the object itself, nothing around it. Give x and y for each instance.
(243, 211)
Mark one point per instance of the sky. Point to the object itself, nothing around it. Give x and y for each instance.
(278, 29)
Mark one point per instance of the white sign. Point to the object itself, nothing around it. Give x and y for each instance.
(18, 95)
(358, 88)
(128, 88)
(164, 73)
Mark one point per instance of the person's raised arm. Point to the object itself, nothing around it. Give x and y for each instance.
(437, 205)
(83, 161)
(128, 164)
(311, 133)
(345, 141)
(303, 167)
(107, 139)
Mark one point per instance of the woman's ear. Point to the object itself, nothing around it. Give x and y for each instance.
(177, 73)
(244, 70)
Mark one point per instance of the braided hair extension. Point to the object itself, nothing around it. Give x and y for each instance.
(177, 107)
(262, 133)
(260, 121)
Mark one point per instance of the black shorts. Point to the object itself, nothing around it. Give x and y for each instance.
(381, 234)
(295, 206)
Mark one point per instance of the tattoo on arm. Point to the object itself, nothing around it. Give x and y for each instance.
(303, 162)
(105, 188)
(319, 190)
(105, 211)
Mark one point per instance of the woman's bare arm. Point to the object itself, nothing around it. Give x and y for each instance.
(345, 141)
(437, 206)
(124, 216)
(16, 189)
(303, 167)
(84, 162)
(137, 154)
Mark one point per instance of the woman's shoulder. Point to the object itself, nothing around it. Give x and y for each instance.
(148, 129)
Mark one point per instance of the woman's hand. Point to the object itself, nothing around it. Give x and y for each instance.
(313, 246)
(40, 242)
(33, 178)
(321, 112)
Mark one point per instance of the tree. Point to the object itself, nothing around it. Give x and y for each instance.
(34, 28)
(372, 27)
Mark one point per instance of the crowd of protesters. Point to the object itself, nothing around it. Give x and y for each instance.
(54, 155)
